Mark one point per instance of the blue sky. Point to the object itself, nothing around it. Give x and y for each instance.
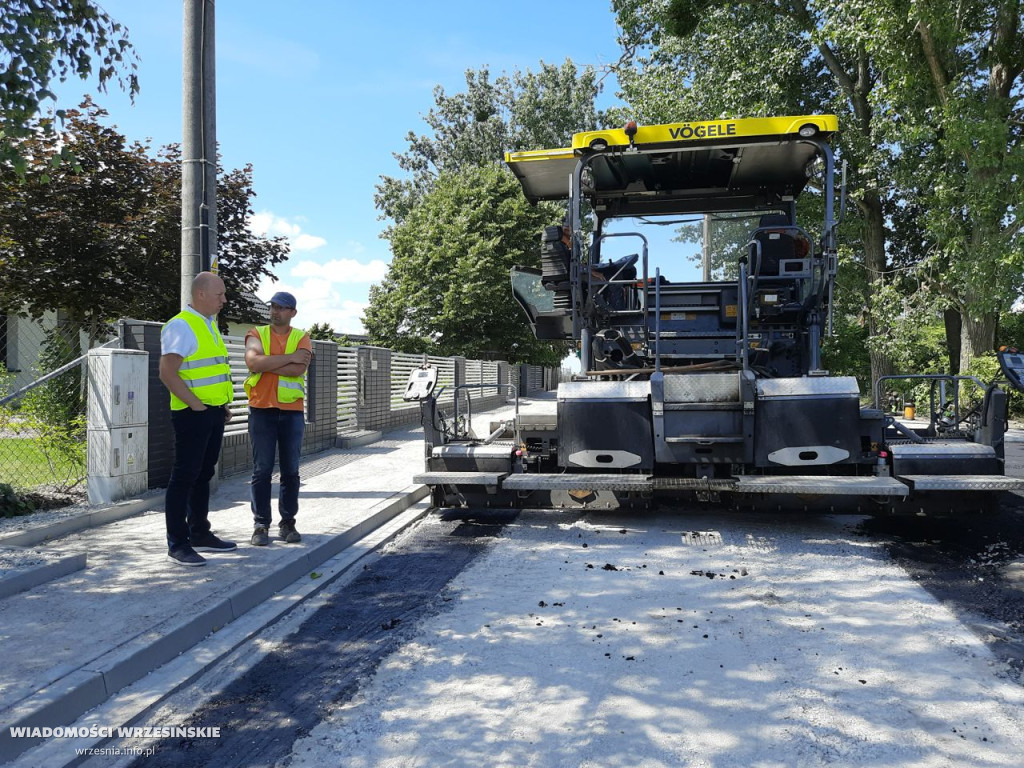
(317, 95)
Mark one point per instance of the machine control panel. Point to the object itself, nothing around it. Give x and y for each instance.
(421, 383)
(1011, 361)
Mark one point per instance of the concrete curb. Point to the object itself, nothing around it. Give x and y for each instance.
(33, 577)
(81, 522)
(146, 696)
(62, 702)
(351, 440)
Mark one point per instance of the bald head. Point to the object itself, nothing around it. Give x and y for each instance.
(207, 293)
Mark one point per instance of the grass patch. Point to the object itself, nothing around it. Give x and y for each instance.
(24, 464)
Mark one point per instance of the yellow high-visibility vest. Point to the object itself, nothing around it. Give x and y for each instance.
(206, 371)
(289, 388)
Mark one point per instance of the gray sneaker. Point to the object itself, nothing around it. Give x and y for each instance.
(260, 537)
(286, 530)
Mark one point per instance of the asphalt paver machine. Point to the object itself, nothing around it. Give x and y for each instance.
(712, 389)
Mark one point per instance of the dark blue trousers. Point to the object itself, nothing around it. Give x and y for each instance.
(271, 431)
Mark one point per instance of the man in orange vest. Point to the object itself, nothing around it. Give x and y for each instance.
(277, 356)
(194, 368)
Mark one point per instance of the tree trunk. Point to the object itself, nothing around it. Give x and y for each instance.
(954, 327)
(874, 260)
(977, 337)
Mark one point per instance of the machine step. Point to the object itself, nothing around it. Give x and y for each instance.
(694, 483)
(793, 484)
(572, 482)
(821, 485)
(459, 478)
(963, 482)
(705, 440)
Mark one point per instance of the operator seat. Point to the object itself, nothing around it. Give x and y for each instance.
(554, 255)
(554, 261)
(776, 243)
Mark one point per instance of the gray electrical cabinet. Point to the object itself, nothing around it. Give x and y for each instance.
(118, 424)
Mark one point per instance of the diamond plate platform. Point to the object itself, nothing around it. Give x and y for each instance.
(703, 440)
(694, 484)
(595, 482)
(702, 388)
(824, 486)
(942, 449)
(830, 386)
(963, 482)
(459, 478)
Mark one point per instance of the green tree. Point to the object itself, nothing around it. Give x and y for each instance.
(244, 257)
(469, 132)
(102, 240)
(759, 57)
(322, 331)
(70, 226)
(447, 291)
(956, 111)
(929, 100)
(41, 40)
(476, 127)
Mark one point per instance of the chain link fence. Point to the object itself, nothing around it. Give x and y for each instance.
(42, 412)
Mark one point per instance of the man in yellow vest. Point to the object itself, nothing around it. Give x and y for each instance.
(277, 356)
(194, 368)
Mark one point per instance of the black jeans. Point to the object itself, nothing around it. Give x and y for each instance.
(197, 439)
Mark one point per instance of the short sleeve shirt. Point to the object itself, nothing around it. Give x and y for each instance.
(264, 394)
(177, 338)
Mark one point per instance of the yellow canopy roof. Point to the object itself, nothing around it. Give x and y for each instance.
(681, 167)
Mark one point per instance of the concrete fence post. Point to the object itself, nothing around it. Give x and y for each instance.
(321, 398)
(373, 404)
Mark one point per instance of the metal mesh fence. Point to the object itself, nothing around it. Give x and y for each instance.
(42, 408)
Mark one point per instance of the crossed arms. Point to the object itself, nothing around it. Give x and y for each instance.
(294, 364)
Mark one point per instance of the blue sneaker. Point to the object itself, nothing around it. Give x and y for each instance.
(210, 543)
(185, 556)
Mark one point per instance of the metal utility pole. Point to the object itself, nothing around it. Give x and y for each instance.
(705, 257)
(198, 146)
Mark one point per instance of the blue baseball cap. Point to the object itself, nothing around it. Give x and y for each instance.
(283, 299)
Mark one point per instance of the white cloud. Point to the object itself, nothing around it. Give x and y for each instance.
(266, 224)
(307, 243)
(259, 223)
(333, 291)
(319, 302)
(342, 270)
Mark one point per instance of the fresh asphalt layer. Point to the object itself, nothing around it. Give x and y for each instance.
(135, 623)
(73, 642)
